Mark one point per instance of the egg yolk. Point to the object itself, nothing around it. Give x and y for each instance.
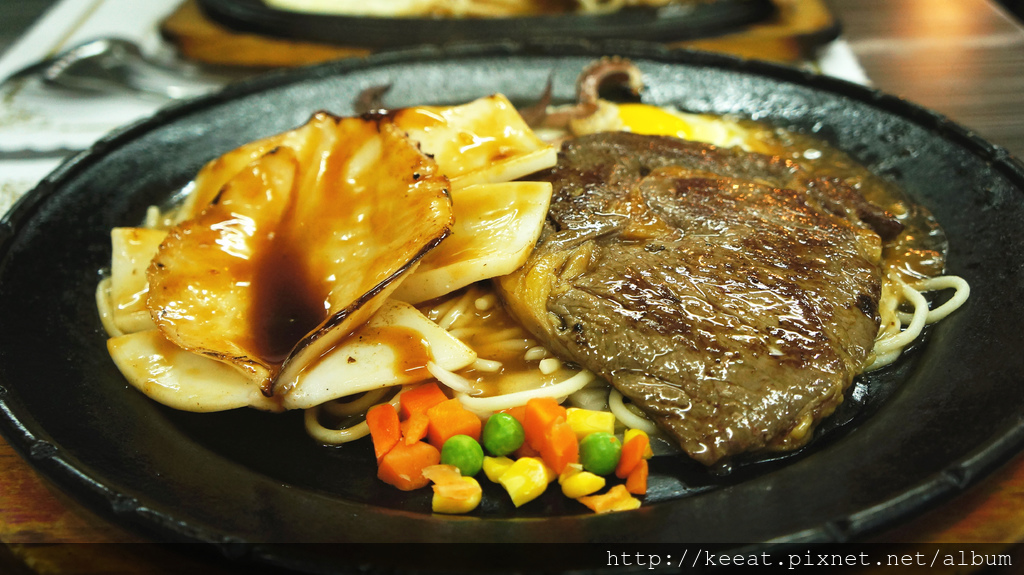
(652, 121)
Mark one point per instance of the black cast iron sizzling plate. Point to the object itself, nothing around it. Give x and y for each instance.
(952, 409)
(670, 23)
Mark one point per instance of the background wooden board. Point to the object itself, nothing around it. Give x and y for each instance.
(801, 25)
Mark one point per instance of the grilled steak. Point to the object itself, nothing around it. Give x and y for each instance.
(729, 295)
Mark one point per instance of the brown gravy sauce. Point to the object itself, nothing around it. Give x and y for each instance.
(920, 249)
(412, 352)
(280, 285)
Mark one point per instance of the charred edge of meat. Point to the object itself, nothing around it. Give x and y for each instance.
(843, 201)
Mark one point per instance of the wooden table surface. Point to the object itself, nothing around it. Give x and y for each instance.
(963, 58)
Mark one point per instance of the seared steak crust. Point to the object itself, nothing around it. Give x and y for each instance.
(728, 295)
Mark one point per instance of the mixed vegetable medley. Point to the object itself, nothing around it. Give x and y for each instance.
(431, 439)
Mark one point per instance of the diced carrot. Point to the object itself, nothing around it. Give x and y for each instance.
(547, 432)
(525, 451)
(442, 474)
(448, 419)
(560, 447)
(461, 497)
(632, 454)
(630, 433)
(518, 412)
(540, 415)
(385, 429)
(459, 489)
(421, 398)
(403, 465)
(415, 427)
(615, 499)
(451, 489)
(636, 482)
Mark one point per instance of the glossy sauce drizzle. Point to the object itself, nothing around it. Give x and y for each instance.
(919, 251)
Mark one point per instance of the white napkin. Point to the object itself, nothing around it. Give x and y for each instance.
(41, 119)
(46, 122)
(20, 176)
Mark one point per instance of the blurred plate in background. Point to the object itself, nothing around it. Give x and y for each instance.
(685, 21)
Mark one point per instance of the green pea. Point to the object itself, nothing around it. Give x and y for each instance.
(502, 434)
(600, 452)
(463, 452)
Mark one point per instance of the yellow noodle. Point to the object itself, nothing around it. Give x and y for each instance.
(485, 302)
(550, 365)
(500, 402)
(891, 341)
(487, 365)
(332, 436)
(917, 323)
(339, 408)
(504, 334)
(963, 291)
(535, 353)
(887, 310)
(466, 333)
(438, 311)
(883, 359)
(509, 345)
(456, 312)
(523, 380)
(152, 217)
(450, 379)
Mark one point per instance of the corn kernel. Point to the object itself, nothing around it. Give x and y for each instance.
(525, 480)
(467, 499)
(570, 470)
(581, 483)
(631, 433)
(549, 473)
(586, 421)
(494, 467)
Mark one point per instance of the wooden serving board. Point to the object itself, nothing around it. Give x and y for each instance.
(42, 531)
(791, 37)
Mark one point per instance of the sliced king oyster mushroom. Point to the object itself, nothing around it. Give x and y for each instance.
(237, 252)
(298, 249)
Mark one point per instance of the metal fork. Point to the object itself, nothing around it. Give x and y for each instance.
(111, 65)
